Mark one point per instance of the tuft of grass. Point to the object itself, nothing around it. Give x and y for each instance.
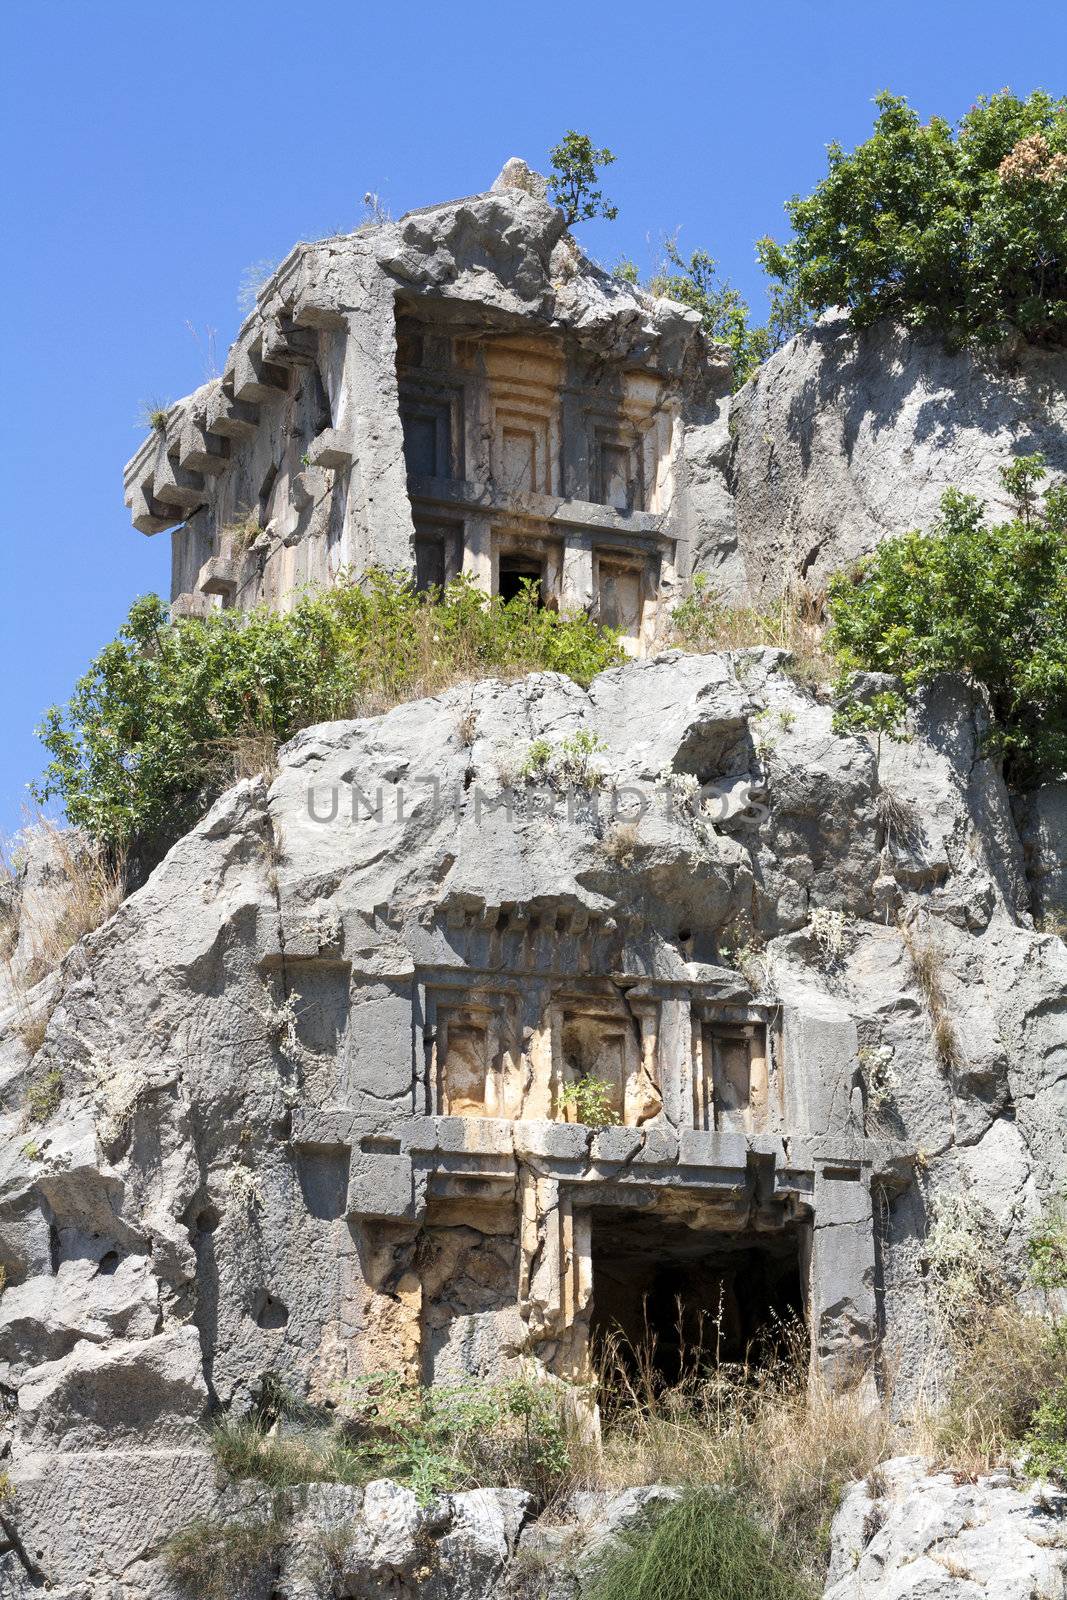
(928, 964)
(620, 843)
(225, 1560)
(772, 1434)
(704, 1546)
(703, 622)
(87, 885)
(239, 537)
(152, 413)
(44, 1095)
(1009, 1362)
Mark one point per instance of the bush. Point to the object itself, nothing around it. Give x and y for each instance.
(989, 601)
(1046, 1440)
(723, 312)
(225, 1560)
(701, 1547)
(431, 1440)
(963, 230)
(171, 710)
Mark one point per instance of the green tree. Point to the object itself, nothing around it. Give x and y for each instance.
(572, 182)
(723, 311)
(989, 601)
(165, 713)
(963, 229)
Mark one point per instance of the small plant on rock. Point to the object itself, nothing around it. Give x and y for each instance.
(226, 1560)
(568, 765)
(591, 1099)
(44, 1095)
(828, 928)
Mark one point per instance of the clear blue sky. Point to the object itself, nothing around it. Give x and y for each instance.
(152, 153)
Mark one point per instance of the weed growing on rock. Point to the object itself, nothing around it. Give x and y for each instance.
(568, 765)
(225, 1560)
(591, 1101)
(703, 622)
(701, 1545)
(927, 965)
(430, 1440)
(44, 1095)
(829, 929)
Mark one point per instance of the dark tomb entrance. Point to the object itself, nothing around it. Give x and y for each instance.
(514, 571)
(673, 1300)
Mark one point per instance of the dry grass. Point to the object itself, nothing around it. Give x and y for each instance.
(89, 886)
(775, 1435)
(797, 623)
(620, 843)
(226, 1560)
(899, 820)
(252, 753)
(928, 965)
(1006, 1361)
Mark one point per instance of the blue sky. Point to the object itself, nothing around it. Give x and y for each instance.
(154, 153)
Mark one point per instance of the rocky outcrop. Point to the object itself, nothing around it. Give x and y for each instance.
(909, 1534)
(843, 438)
(269, 1155)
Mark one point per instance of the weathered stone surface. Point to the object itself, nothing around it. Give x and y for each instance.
(264, 1030)
(929, 1537)
(843, 438)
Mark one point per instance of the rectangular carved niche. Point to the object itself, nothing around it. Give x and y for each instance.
(610, 1044)
(729, 1074)
(432, 423)
(438, 553)
(620, 598)
(618, 472)
(477, 1059)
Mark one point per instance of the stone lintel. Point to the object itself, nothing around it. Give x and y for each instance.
(608, 524)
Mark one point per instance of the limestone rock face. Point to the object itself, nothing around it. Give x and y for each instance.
(928, 1537)
(844, 438)
(312, 1119)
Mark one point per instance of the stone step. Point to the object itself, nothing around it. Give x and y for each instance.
(219, 575)
(201, 451)
(172, 484)
(255, 378)
(148, 514)
(234, 419)
(284, 344)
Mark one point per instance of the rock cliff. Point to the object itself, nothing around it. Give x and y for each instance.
(279, 1143)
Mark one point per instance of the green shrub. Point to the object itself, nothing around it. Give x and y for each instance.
(572, 181)
(963, 230)
(431, 1440)
(1046, 1440)
(591, 1100)
(225, 1560)
(701, 1547)
(989, 601)
(170, 711)
(723, 310)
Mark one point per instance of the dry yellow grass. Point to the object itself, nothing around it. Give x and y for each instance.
(797, 623)
(776, 1434)
(90, 885)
